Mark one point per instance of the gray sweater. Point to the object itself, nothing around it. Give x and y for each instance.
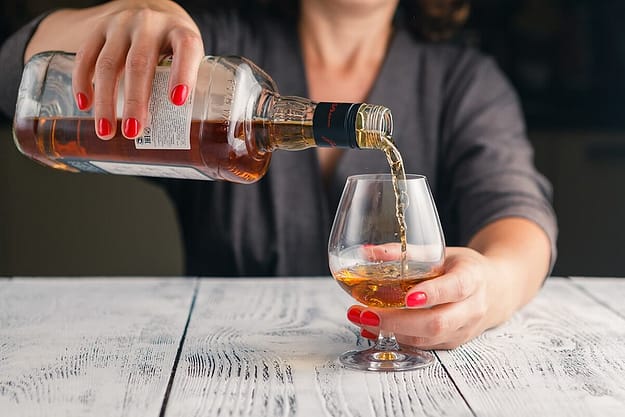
(457, 121)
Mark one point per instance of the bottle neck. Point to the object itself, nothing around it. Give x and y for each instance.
(287, 124)
(296, 123)
(334, 124)
(374, 126)
(352, 125)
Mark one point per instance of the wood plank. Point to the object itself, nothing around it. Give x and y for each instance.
(269, 348)
(96, 347)
(562, 355)
(608, 291)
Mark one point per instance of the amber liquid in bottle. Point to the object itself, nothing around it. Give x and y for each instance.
(65, 142)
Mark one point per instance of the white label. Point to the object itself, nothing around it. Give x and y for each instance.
(168, 126)
(145, 170)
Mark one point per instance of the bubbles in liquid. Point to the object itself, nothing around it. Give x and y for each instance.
(401, 193)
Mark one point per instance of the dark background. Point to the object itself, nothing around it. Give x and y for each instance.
(565, 57)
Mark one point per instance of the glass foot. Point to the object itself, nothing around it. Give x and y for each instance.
(374, 359)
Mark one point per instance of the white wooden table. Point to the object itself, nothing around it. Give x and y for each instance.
(268, 347)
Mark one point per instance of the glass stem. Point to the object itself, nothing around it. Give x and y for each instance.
(386, 341)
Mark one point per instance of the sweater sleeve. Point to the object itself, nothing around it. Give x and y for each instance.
(487, 154)
(12, 58)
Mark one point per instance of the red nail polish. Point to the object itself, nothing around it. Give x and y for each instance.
(81, 101)
(131, 127)
(104, 127)
(416, 299)
(367, 334)
(353, 315)
(369, 318)
(179, 94)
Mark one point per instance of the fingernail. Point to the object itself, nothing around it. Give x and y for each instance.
(131, 127)
(369, 318)
(179, 94)
(416, 299)
(367, 334)
(353, 315)
(104, 127)
(81, 101)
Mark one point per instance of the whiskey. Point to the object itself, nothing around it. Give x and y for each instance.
(228, 128)
(398, 175)
(396, 165)
(384, 284)
(71, 144)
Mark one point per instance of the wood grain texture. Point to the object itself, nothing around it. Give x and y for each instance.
(562, 355)
(89, 347)
(269, 348)
(607, 291)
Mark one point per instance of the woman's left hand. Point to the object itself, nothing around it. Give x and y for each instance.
(446, 311)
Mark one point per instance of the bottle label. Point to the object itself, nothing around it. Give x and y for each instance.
(334, 124)
(83, 166)
(168, 126)
(139, 170)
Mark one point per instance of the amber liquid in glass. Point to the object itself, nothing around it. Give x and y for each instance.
(384, 284)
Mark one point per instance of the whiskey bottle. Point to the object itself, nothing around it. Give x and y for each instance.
(227, 129)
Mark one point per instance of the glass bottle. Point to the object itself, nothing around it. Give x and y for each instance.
(228, 128)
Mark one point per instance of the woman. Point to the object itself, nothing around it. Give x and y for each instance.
(456, 120)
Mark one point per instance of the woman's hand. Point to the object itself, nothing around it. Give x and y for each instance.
(123, 37)
(445, 311)
(481, 287)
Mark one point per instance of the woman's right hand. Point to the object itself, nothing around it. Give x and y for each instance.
(124, 37)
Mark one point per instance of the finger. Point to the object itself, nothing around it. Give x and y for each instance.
(353, 313)
(82, 73)
(368, 335)
(188, 51)
(107, 70)
(138, 77)
(456, 339)
(384, 252)
(429, 327)
(451, 344)
(453, 286)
